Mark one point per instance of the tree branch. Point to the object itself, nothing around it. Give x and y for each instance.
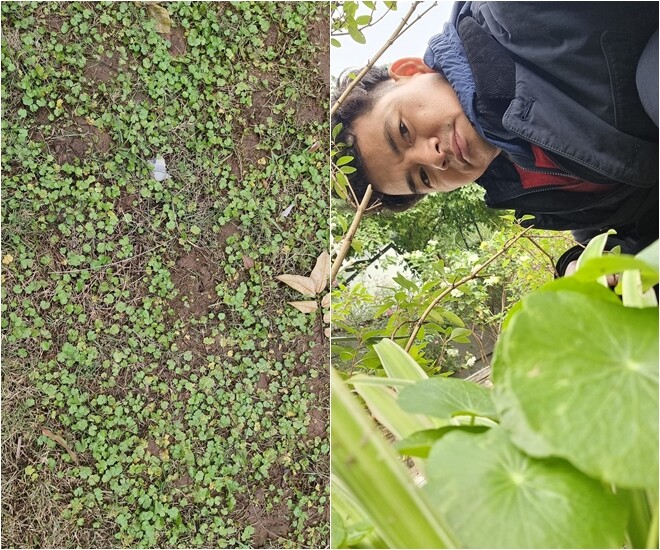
(348, 238)
(472, 275)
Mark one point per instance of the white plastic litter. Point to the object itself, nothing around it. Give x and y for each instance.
(160, 171)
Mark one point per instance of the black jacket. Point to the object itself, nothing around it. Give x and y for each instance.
(561, 76)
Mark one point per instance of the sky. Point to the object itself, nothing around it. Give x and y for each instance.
(412, 43)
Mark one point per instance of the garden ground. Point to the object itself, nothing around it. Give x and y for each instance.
(157, 388)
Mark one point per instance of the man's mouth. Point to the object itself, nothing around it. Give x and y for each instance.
(457, 149)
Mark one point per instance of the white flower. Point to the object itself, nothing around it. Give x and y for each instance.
(470, 359)
(452, 352)
(456, 293)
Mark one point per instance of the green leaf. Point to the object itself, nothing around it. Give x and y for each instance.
(595, 268)
(650, 254)
(336, 43)
(405, 283)
(593, 250)
(344, 160)
(397, 363)
(447, 397)
(365, 465)
(347, 169)
(497, 497)
(578, 378)
(336, 130)
(420, 443)
(460, 335)
(363, 20)
(357, 35)
(337, 530)
(382, 403)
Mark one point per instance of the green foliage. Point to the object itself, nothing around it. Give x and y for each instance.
(563, 451)
(141, 320)
(350, 18)
(362, 316)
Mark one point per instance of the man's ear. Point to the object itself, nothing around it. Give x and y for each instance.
(408, 66)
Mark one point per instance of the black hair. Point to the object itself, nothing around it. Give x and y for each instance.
(359, 102)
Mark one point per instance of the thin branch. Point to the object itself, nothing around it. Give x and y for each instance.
(371, 63)
(472, 275)
(537, 245)
(364, 26)
(417, 19)
(348, 238)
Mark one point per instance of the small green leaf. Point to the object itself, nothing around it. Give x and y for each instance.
(336, 43)
(344, 160)
(419, 444)
(357, 35)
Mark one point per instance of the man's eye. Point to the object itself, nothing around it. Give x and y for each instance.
(424, 177)
(403, 130)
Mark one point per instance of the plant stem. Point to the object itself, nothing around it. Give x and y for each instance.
(348, 238)
(368, 467)
(472, 275)
(652, 538)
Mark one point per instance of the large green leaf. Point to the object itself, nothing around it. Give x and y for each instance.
(577, 378)
(447, 397)
(494, 496)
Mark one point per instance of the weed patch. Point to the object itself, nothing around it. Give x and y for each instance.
(157, 389)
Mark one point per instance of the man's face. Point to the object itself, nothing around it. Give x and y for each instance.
(416, 139)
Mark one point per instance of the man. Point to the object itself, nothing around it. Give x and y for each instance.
(537, 102)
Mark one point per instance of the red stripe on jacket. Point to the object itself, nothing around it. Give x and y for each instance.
(531, 180)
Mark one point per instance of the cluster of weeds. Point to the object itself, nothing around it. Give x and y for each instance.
(157, 390)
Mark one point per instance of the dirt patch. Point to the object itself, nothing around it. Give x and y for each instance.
(105, 69)
(194, 278)
(74, 140)
(227, 231)
(269, 525)
(182, 481)
(178, 42)
(126, 202)
(310, 109)
(153, 447)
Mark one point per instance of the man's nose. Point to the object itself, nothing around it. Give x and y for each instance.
(428, 152)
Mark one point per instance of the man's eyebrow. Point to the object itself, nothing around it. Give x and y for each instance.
(390, 139)
(411, 183)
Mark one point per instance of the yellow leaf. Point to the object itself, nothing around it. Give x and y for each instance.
(161, 17)
(327, 332)
(304, 285)
(306, 307)
(325, 303)
(327, 318)
(321, 271)
(7, 259)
